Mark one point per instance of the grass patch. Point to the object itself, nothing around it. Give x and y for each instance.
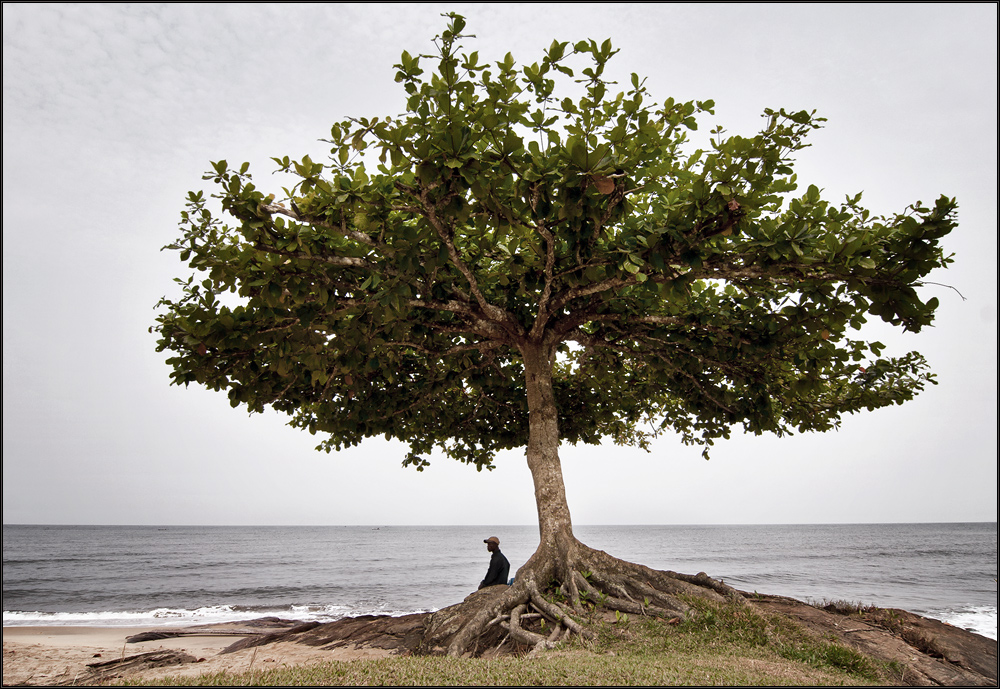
(753, 633)
(886, 618)
(717, 644)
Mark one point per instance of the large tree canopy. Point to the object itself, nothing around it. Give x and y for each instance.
(392, 298)
(501, 266)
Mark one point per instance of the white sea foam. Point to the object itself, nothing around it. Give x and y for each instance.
(180, 617)
(981, 620)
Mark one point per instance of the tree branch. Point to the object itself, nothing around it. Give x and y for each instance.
(491, 311)
(278, 209)
(543, 301)
(343, 261)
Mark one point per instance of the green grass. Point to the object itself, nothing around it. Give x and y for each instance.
(718, 645)
(747, 627)
(886, 618)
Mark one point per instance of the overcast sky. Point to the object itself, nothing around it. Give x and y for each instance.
(112, 113)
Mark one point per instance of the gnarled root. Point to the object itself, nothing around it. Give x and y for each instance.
(574, 577)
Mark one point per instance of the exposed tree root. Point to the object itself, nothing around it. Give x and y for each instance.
(552, 596)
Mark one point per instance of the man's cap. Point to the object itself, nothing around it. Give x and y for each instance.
(492, 539)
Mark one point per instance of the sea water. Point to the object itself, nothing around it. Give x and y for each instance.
(146, 575)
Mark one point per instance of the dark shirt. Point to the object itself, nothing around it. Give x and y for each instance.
(498, 571)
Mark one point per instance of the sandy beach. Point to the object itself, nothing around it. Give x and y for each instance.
(50, 655)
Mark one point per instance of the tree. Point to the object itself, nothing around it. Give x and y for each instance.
(501, 267)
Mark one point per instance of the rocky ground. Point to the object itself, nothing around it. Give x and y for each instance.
(932, 653)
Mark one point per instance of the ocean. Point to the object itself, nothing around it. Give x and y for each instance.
(148, 575)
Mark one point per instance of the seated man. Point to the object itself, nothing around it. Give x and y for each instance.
(499, 567)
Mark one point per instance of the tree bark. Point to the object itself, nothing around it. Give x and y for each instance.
(554, 524)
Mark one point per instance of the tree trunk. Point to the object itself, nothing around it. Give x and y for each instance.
(554, 524)
(582, 576)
